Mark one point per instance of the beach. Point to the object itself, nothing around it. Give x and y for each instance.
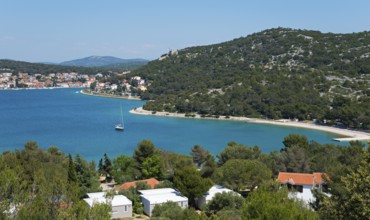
(349, 135)
(111, 96)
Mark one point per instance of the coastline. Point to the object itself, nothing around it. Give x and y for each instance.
(39, 88)
(349, 135)
(111, 96)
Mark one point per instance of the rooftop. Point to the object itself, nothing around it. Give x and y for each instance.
(118, 200)
(157, 196)
(301, 178)
(157, 191)
(216, 189)
(152, 182)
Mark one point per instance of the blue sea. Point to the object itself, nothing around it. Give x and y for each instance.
(82, 124)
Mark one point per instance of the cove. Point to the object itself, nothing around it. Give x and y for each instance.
(82, 124)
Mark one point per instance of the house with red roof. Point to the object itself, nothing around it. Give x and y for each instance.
(152, 182)
(302, 184)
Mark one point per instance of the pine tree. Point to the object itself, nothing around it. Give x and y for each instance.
(101, 167)
(72, 176)
(107, 165)
(353, 202)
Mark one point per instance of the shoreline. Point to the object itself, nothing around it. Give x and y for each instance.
(110, 96)
(40, 88)
(349, 135)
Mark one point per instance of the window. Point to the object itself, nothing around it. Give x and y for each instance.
(126, 209)
(298, 188)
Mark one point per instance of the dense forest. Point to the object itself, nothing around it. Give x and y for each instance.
(44, 69)
(48, 184)
(277, 73)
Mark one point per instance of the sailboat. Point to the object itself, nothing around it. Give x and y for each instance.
(120, 127)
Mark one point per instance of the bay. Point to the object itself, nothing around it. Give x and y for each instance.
(82, 124)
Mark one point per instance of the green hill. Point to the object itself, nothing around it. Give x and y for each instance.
(277, 73)
(104, 61)
(33, 68)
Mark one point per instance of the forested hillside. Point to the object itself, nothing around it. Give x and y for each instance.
(33, 68)
(277, 73)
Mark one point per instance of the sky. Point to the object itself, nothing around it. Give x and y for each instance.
(62, 30)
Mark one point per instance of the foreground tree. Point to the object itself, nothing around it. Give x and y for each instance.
(122, 169)
(144, 150)
(170, 162)
(294, 159)
(107, 166)
(171, 210)
(100, 211)
(190, 183)
(240, 174)
(72, 176)
(272, 202)
(199, 155)
(354, 201)
(40, 184)
(296, 140)
(151, 167)
(222, 202)
(146, 160)
(238, 151)
(87, 177)
(208, 167)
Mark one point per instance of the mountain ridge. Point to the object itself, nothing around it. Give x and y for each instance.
(99, 61)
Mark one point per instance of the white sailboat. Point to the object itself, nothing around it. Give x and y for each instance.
(120, 126)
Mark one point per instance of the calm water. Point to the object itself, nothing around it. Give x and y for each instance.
(82, 124)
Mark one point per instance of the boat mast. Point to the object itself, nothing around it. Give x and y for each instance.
(121, 116)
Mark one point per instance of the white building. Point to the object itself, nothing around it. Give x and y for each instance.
(153, 197)
(208, 196)
(302, 184)
(121, 205)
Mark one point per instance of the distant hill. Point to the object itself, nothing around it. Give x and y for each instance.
(276, 73)
(33, 68)
(104, 61)
(88, 65)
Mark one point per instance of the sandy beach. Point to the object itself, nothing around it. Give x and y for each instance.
(349, 135)
(111, 96)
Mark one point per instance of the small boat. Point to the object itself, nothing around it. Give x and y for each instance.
(120, 126)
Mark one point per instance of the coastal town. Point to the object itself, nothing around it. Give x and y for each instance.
(94, 83)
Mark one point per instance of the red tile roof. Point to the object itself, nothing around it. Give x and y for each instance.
(152, 182)
(301, 178)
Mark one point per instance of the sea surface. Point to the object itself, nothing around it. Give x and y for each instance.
(82, 124)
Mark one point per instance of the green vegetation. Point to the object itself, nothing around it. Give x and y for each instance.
(353, 201)
(270, 202)
(190, 183)
(44, 69)
(39, 184)
(224, 201)
(277, 73)
(170, 210)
